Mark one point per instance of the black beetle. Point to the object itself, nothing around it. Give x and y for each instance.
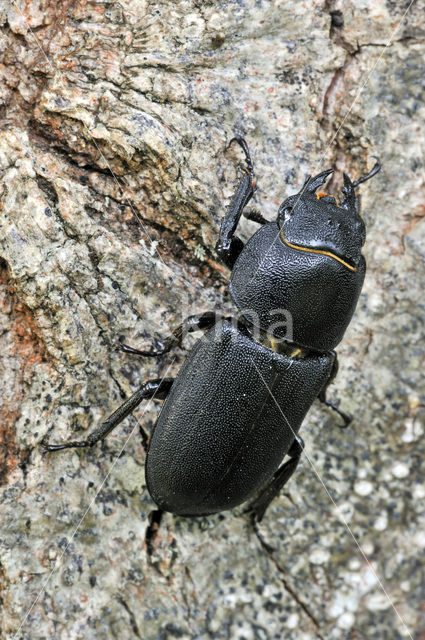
(234, 410)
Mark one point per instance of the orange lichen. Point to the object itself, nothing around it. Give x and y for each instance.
(24, 351)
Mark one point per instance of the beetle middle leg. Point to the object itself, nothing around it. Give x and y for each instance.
(157, 389)
(258, 507)
(197, 322)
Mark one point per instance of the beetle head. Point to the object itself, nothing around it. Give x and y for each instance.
(319, 223)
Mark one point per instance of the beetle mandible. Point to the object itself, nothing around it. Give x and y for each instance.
(234, 410)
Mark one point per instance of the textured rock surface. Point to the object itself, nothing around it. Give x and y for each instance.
(114, 173)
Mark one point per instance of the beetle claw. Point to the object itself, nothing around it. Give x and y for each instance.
(44, 445)
(267, 546)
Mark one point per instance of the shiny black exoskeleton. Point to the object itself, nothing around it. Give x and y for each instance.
(234, 410)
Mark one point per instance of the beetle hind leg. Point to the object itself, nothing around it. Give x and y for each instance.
(258, 507)
(157, 389)
(322, 395)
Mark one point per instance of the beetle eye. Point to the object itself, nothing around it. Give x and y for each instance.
(287, 213)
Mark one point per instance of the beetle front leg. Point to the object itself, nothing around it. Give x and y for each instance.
(229, 246)
(197, 322)
(157, 389)
(258, 507)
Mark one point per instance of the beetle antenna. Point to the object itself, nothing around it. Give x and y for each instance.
(242, 143)
(376, 168)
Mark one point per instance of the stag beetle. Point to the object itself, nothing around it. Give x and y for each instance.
(234, 410)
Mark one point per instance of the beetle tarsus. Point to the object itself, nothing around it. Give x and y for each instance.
(72, 444)
(268, 547)
(347, 418)
(151, 353)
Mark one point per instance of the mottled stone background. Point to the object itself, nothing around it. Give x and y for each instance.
(115, 118)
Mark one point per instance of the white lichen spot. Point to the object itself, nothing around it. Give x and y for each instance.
(327, 540)
(378, 602)
(336, 609)
(129, 474)
(347, 598)
(376, 302)
(419, 539)
(381, 522)
(75, 461)
(52, 553)
(152, 248)
(199, 252)
(193, 25)
(400, 470)
(344, 511)
(369, 579)
(293, 621)
(363, 487)
(368, 547)
(413, 430)
(319, 556)
(269, 591)
(346, 621)
(418, 492)
(354, 564)
(215, 625)
(386, 476)
(405, 586)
